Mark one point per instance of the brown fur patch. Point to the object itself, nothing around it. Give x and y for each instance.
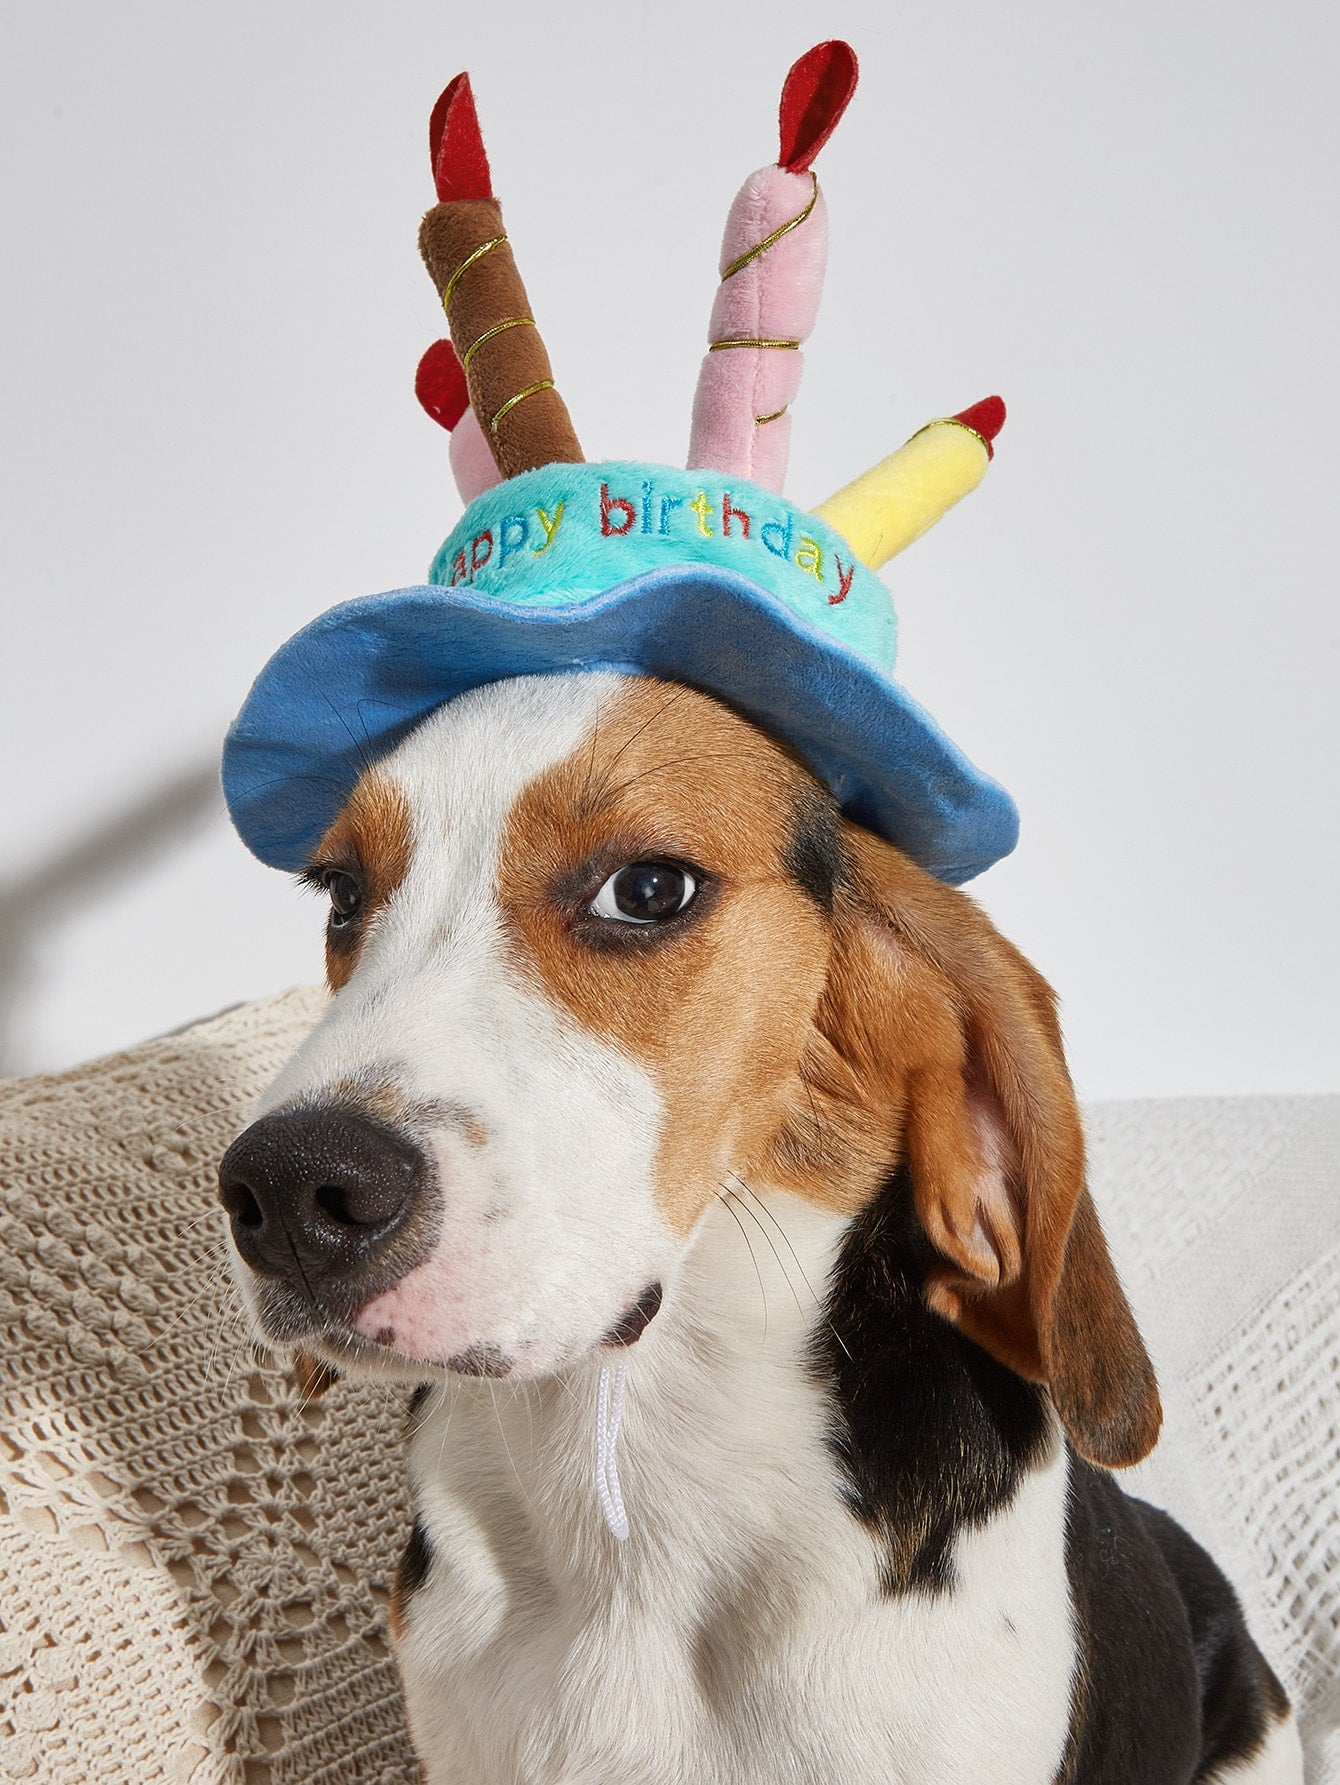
(716, 1005)
(312, 1375)
(372, 840)
(410, 1574)
(378, 1092)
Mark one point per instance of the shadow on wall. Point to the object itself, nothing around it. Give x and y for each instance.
(115, 851)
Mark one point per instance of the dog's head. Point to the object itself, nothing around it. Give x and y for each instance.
(600, 947)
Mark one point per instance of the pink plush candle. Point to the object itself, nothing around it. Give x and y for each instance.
(440, 387)
(772, 264)
(741, 420)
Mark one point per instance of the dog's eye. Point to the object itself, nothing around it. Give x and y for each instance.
(346, 899)
(645, 892)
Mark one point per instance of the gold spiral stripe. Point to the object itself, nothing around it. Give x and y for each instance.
(489, 333)
(470, 259)
(751, 341)
(953, 421)
(783, 229)
(520, 397)
(777, 414)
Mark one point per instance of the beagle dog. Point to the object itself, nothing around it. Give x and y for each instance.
(641, 1054)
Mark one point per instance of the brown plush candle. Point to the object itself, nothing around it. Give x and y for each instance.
(465, 249)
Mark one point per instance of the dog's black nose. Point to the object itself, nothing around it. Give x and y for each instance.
(311, 1194)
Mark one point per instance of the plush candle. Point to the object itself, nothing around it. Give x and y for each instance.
(465, 248)
(896, 501)
(440, 386)
(772, 265)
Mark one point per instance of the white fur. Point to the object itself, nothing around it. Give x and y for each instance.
(549, 1230)
(1279, 1762)
(740, 1634)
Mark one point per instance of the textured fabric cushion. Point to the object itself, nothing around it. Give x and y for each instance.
(194, 1565)
(1224, 1218)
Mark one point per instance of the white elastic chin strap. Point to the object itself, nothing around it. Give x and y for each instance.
(609, 1413)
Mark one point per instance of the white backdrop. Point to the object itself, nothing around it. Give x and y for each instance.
(1121, 217)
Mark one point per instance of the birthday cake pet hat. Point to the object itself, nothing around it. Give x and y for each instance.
(706, 576)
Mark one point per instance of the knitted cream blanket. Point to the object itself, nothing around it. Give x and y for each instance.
(193, 1564)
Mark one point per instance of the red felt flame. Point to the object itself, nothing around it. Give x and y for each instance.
(455, 146)
(986, 418)
(439, 384)
(816, 93)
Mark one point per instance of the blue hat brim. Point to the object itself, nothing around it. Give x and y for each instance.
(346, 689)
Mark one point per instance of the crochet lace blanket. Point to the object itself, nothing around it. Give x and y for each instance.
(194, 1564)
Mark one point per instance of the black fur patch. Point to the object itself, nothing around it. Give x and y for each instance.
(480, 1360)
(932, 1434)
(634, 1321)
(413, 1570)
(1173, 1688)
(414, 1412)
(814, 857)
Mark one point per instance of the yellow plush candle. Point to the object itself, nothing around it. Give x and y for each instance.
(896, 501)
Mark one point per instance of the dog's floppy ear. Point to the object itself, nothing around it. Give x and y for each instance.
(965, 1031)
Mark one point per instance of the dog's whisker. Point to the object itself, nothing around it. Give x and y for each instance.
(674, 762)
(725, 1200)
(823, 1314)
(196, 1221)
(502, 1433)
(772, 1246)
(213, 1290)
(585, 802)
(214, 1282)
(671, 700)
(365, 760)
(757, 1202)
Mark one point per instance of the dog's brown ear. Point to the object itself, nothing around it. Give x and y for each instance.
(967, 1035)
